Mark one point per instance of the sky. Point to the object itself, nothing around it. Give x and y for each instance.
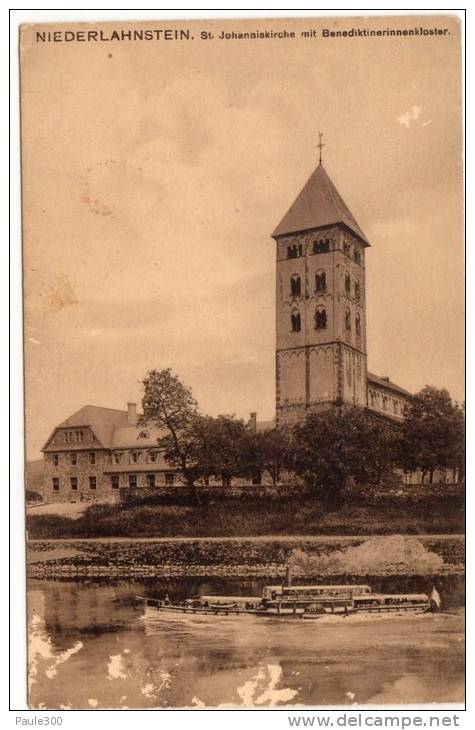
(155, 172)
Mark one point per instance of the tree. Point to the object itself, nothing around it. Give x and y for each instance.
(170, 405)
(342, 443)
(433, 432)
(220, 447)
(270, 451)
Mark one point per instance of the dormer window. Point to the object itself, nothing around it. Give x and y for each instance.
(143, 435)
(295, 285)
(134, 457)
(152, 457)
(116, 457)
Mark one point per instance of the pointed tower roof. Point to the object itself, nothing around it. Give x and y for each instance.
(319, 204)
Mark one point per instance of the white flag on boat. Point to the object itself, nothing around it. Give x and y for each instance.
(435, 597)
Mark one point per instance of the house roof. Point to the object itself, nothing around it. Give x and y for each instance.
(384, 382)
(137, 436)
(103, 422)
(318, 204)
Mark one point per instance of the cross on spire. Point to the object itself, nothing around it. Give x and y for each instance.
(320, 146)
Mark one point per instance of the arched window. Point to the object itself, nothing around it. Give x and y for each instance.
(347, 283)
(358, 324)
(295, 285)
(348, 320)
(321, 245)
(320, 281)
(320, 319)
(295, 320)
(357, 290)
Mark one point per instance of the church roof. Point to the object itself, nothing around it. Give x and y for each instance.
(384, 382)
(318, 204)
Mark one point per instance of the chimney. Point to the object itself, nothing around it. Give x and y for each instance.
(132, 414)
(253, 421)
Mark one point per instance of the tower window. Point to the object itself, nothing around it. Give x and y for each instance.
(295, 285)
(357, 290)
(321, 245)
(320, 281)
(348, 320)
(295, 321)
(358, 324)
(294, 251)
(320, 319)
(347, 283)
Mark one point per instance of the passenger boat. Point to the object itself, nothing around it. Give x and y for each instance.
(302, 601)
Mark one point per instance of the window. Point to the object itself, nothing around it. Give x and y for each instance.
(115, 481)
(320, 319)
(294, 251)
(92, 483)
(152, 457)
(74, 483)
(68, 437)
(169, 478)
(320, 281)
(73, 458)
(322, 245)
(132, 481)
(226, 481)
(143, 435)
(55, 484)
(357, 290)
(295, 321)
(116, 457)
(55, 459)
(347, 283)
(134, 457)
(357, 255)
(348, 320)
(78, 436)
(257, 479)
(92, 457)
(151, 481)
(346, 247)
(358, 324)
(295, 285)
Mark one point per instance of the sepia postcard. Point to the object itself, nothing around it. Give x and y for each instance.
(243, 271)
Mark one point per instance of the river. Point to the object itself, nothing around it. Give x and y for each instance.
(93, 645)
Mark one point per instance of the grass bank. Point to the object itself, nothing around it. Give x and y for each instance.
(429, 515)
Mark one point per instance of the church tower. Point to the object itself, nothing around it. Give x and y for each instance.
(321, 313)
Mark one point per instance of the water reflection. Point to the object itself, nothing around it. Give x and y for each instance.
(94, 645)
